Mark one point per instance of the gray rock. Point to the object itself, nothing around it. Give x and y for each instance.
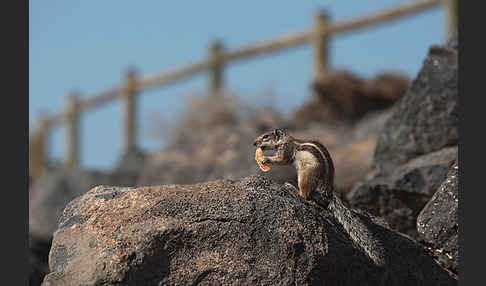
(399, 197)
(133, 160)
(426, 118)
(399, 209)
(38, 259)
(438, 223)
(425, 173)
(243, 232)
(52, 192)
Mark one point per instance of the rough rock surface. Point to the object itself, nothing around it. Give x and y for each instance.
(399, 197)
(426, 118)
(50, 194)
(425, 173)
(38, 259)
(195, 154)
(416, 146)
(438, 223)
(245, 232)
(399, 209)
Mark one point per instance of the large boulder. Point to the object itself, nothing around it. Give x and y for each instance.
(399, 197)
(438, 224)
(242, 232)
(416, 146)
(425, 173)
(38, 259)
(399, 209)
(51, 193)
(427, 116)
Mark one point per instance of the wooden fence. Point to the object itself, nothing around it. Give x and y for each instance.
(132, 85)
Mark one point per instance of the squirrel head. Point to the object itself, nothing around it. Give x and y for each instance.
(271, 139)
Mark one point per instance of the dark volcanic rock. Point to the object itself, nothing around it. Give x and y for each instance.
(399, 197)
(244, 232)
(399, 209)
(438, 223)
(51, 193)
(425, 173)
(426, 118)
(38, 259)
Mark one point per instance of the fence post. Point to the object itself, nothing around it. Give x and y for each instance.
(129, 93)
(320, 44)
(38, 149)
(452, 15)
(216, 76)
(72, 125)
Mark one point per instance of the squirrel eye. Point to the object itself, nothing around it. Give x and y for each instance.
(265, 137)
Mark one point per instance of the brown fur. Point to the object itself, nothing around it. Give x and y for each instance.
(315, 169)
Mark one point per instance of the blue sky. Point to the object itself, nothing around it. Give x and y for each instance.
(87, 45)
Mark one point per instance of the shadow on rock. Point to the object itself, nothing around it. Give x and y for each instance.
(247, 231)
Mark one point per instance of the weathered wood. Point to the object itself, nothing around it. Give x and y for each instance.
(451, 6)
(381, 17)
(304, 37)
(101, 98)
(133, 84)
(320, 44)
(216, 71)
(38, 148)
(72, 122)
(278, 44)
(174, 75)
(129, 93)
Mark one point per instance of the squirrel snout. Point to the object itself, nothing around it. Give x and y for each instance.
(255, 143)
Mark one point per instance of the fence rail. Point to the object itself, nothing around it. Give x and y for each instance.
(218, 57)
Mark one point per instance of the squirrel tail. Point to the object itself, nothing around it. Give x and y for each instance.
(358, 228)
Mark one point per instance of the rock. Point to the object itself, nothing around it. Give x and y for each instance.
(399, 209)
(452, 42)
(371, 124)
(242, 232)
(399, 197)
(133, 160)
(38, 259)
(343, 97)
(426, 118)
(226, 152)
(425, 173)
(438, 223)
(50, 194)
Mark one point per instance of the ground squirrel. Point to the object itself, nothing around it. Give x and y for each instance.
(315, 176)
(315, 169)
